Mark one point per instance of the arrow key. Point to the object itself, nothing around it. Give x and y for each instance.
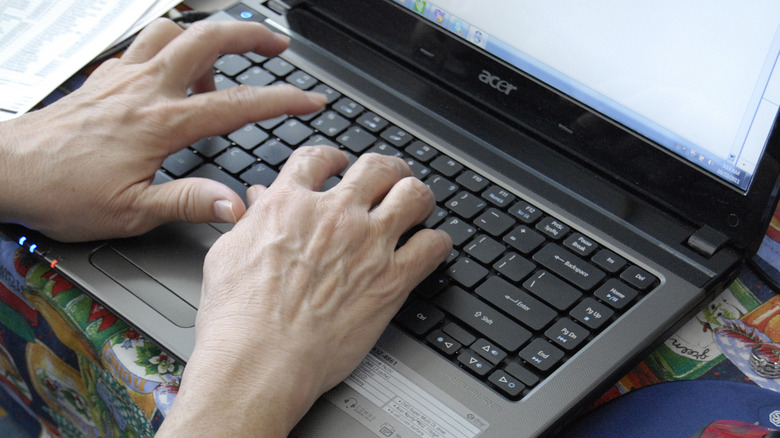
(443, 343)
(488, 350)
(506, 383)
(475, 363)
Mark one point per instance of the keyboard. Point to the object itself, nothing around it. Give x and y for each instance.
(521, 292)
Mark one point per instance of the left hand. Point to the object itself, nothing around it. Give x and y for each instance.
(82, 168)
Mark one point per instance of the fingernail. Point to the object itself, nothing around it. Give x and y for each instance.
(316, 98)
(224, 211)
(283, 38)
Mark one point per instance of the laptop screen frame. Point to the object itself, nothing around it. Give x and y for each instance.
(563, 124)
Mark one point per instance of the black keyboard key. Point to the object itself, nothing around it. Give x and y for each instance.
(436, 217)
(466, 205)
(458, 229)
(255, 57)
(331, 95)
(517, 303)
(525, 212)
(541, 355)
(330, 123)
(235, 160)
(210, 146)
(259, 174)
(567, 334)
(256, 77)
(591, 313)
(446, 166)
(419, 317)
(419, 171)
(443, 343)
(279, 67)
(301, 80)
(552, 290)
(269, 124)
(293, 132)
(396, 136)
(580, 245)
(273, 152)
(459, 333)
(616, 293)
(348, 107)
(467, 272)
(522, 374)
(569, 266)
(211, 171)
(609, 261)
(489, 351)
(433, 284)
(421, 151)
(553, 228)
(482, 318)
(441, 187)
(385, 149)
(638, 277)
(232, 64)
(319, 140)
(484, 249)
(160, 177)
(181, 162)
(498, 196)
(472, 181)
(372, 122)
(507, 384)
(356, 139)
(494, 221)
(475, 363)
(514, 266)
(248, 137)
(524, 239)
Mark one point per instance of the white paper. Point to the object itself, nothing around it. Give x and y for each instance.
(44, 42)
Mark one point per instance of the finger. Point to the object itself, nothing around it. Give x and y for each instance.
(192, 200)
(421, 255)
(205, 115)
(372, 177)
(151, 40)
(193, 54)
(407, 204)
(310, 166)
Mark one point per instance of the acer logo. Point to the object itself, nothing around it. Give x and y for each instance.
(496, 82)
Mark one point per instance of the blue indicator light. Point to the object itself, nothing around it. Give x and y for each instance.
(32, 248)
(246, 15)
(22, 240)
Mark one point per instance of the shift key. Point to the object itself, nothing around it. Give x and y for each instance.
(483, 318)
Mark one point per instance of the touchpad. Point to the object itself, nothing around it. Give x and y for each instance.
(170, 259)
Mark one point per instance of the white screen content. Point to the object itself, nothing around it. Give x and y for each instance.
(698, 72)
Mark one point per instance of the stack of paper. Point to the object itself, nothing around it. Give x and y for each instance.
(44, 42)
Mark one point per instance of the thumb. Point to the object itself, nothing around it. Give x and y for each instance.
(193, 200)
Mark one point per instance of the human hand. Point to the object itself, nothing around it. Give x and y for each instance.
(82, 168)
(301, 288)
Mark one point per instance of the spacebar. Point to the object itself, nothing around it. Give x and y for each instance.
(483, 318)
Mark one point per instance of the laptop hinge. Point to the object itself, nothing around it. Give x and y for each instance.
(707, 240)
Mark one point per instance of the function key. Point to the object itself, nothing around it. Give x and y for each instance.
(498, 196)
(348, 107)
(279, 67)
(396, 136)
(330, 94)
(421, 151)
(372, 122)
(472, 181)
(609, 261)
(301, 80)
(525, 212)
(638, 277)
(580, 244)
(446, 166)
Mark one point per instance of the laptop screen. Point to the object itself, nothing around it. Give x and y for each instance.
(698, 78)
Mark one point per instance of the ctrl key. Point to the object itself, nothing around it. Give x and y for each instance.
(419, 317)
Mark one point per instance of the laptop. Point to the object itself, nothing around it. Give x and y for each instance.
(604, 168)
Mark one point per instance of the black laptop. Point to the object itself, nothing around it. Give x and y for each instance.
(604, 168)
